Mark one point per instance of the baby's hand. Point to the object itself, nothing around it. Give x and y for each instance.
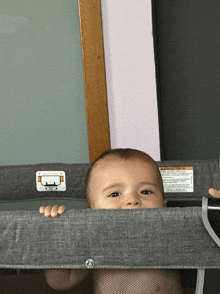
(52, 211)
(214, 193)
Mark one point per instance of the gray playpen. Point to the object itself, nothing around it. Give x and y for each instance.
(183, 236)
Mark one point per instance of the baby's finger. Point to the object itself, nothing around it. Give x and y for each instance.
(54, 210)
(62, 209)
(47, 211)
(215, 193)
(41, 209)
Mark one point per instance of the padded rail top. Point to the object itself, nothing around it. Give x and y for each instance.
(130, 238)
(18, 182)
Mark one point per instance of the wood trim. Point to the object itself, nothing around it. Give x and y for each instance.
(94, 77)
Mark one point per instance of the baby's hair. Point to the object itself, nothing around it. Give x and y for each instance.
(125, 154)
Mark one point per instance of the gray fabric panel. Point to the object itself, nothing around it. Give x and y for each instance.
(206, 175)
(18, 183)
(135, 238)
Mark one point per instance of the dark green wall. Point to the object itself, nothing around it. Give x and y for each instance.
(187, 42)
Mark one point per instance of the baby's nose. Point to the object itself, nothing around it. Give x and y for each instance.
(132, 201)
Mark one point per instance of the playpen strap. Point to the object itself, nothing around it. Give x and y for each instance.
(205, 208)
(200, 281)
(210, 217)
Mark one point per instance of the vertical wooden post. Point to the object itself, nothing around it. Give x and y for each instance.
(94, 77)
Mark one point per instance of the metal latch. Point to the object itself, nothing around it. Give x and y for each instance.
(51, 181)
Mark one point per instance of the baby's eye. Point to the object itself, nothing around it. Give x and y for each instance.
(114, 194)
(146, 192)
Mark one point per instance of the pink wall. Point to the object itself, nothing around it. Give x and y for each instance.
(130, 70)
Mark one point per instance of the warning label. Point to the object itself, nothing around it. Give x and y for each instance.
(177, 179)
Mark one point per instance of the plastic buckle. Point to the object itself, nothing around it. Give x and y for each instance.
(206, 205)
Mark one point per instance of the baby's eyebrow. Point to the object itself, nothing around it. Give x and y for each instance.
(121, 185)
(146, 183)
(113, 186)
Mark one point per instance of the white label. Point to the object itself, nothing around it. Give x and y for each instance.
(177, 179)
(50, 181)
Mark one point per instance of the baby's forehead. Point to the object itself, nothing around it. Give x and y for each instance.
(113, 160)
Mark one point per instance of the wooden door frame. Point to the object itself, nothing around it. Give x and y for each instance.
(94, 77)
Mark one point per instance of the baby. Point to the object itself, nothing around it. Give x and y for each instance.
(120, 179)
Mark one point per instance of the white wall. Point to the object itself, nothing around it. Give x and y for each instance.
(130, 71)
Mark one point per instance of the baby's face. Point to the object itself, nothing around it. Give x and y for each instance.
(116, 183)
